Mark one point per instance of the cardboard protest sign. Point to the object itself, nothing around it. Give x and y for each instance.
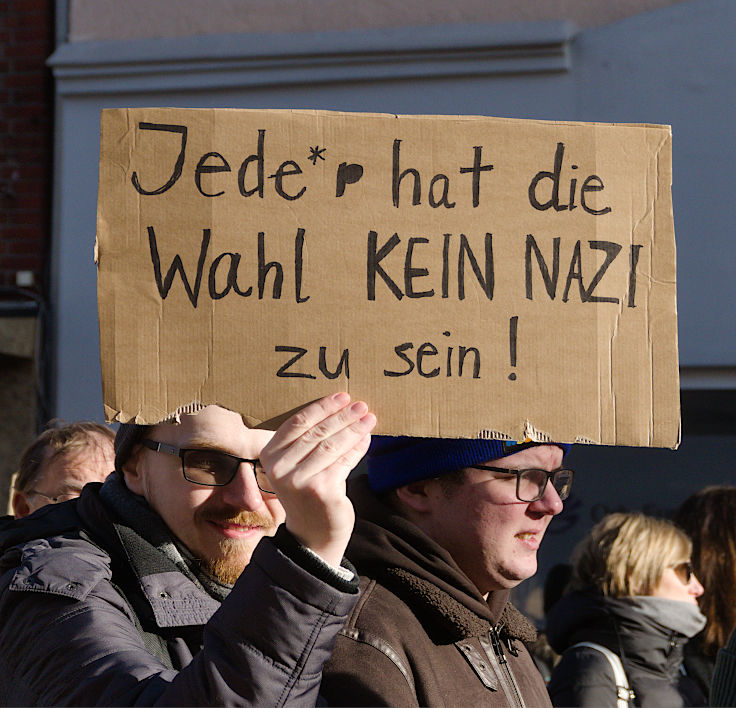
(465, 276)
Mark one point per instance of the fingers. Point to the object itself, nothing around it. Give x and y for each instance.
(312, 415)
(332, 432)
(353, 456)
(326, 473)
(348, 430)
(308, 460)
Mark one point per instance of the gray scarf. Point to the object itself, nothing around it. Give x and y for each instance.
(135, 512)
(685, 618)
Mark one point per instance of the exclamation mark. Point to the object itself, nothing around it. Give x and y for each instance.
(513, 327)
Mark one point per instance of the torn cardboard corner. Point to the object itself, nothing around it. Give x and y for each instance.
(530, 435)
(465, 276)
(195, 407)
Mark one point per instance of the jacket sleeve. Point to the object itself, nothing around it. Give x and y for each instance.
(583, 677)
(265, 645)
(723, 688)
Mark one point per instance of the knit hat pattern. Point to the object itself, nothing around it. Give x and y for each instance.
(395, 461)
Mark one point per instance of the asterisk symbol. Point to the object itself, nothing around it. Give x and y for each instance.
(315, 153)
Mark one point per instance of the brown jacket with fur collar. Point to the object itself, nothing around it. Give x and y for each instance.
(421, 634)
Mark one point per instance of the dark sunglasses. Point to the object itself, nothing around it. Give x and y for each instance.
(684, 572)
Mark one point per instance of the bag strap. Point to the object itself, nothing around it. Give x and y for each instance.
(624, 694)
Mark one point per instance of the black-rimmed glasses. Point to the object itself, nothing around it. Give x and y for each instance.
(531, 483)
(211, 468)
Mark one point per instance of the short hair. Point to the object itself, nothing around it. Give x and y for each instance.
(625, 554)
(709, 518)
(58, 439)
(128, 437)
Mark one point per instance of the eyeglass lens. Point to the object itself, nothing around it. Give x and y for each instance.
(532, 484)
(213, 468)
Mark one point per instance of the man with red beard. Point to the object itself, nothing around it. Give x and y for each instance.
(134, 593)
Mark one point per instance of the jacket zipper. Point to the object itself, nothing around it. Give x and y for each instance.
(510, 687)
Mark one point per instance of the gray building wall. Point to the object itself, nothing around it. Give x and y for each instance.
(673, 65)
(138, 19)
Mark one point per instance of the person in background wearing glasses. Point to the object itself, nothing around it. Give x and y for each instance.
(59, 462)
(445, 529)
(207, 569)
(633, 592)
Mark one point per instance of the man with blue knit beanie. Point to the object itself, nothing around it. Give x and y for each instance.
(444, 530)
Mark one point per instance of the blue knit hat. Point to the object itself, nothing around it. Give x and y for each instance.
(396, 461)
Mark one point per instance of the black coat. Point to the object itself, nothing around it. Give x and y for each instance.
(70, 634)
(699, 666)
(651, 654)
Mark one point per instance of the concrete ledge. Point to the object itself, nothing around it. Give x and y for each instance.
(225, 61)
(707, 377)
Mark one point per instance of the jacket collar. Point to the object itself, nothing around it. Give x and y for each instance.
(395, 552)
(173, 594)
(618, 624)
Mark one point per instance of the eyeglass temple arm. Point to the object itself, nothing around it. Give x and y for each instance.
(162, 447)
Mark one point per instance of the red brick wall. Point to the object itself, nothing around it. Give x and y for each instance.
(26, 123)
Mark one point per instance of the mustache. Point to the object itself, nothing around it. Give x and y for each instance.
(233, 516)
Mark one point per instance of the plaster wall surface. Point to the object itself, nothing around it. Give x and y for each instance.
(138, 19)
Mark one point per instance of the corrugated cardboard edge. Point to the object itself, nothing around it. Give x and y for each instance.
(533, 434)
(664, 209)
(191, 408)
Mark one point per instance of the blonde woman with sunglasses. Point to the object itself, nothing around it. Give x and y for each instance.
(631, 608)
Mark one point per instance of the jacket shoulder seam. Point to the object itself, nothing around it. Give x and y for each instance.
(382, 646)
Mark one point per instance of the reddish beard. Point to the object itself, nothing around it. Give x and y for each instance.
(234, 554)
